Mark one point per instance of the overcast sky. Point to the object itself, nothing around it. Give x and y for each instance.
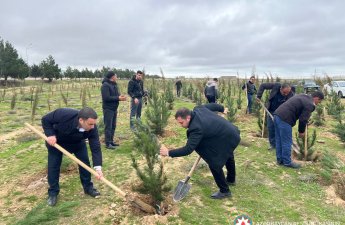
(183, 37)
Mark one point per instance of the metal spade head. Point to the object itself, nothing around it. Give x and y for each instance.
(181, 190)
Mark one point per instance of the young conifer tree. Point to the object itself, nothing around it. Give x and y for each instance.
(239, 99)
(151, 175)
(319, 117)
(157, 112)
(169, 96)
(232, 110)
(310, 150)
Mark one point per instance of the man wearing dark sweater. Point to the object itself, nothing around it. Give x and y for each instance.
(280, 93)
(69, 128)
(213, 138)
(250, 88)
(296, 108)
(136, 91)
(110, 102)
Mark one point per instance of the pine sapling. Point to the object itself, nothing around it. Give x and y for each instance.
(311, 153)
(232, 110)
(319, 117)
(157, 112)
(152, 176)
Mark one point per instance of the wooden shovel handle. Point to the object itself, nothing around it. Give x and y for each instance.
(80, 163)
(264, 107)
(194, 166)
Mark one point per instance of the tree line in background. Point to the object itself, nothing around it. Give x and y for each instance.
(11, 65)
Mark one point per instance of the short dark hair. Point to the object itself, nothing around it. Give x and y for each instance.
(183, 113)
(215, 79)
(318, 94)
(140, 72)
(86, 113)
(252, 77)
(110, 74)
(285, 85)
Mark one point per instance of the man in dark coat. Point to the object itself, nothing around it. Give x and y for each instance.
(213, 138)
(136, 91)
(69, 128)
(211, 90)
(299, 107)
(280, 93)
(110, 102)
(178, 85)
(250, 88)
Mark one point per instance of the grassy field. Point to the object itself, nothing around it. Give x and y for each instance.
(264, 191)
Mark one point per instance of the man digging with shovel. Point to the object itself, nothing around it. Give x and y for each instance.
(69, 128)
(213, 138)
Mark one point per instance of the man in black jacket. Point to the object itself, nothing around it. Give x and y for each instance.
(178, 85)
(211, 90)
(299, 107)
(69, 128)
(110, 102)
(214, 139)
(280, 93)
(136, 91)
(250, 88)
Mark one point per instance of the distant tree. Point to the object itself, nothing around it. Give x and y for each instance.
(8, 60)
(76, 73)
(69, 73)
(50, 69)
(36, 71)
(23, 70)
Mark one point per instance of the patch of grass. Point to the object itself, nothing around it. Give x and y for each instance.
(43, 214)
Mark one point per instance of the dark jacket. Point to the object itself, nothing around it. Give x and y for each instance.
(275, 90)
(251, 89)
(63, 124)
(178, 84)
(211, 136)
(299, 107)
(135, 88)
(110, 95)
(211, 89)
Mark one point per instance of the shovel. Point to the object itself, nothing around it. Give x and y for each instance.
(131, 199)
(183, 187)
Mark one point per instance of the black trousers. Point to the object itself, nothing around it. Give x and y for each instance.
(54, 164)
(178, 92)
(219, 177)
(109, 118)
(211, 99)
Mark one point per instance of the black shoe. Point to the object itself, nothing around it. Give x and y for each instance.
(110, 146)
(293, 165)
(220, 195)
(114, 144)
(92, 192)
(52, 200)
(280, 163)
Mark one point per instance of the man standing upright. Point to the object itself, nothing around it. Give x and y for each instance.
(280, 93)
(136, 91)
(69, 128)
(211, 90)
(250, 88)
(214, 139)
(110, 102)
(299, 107)
(178, 85)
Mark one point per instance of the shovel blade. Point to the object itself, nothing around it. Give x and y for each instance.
(181, 190)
